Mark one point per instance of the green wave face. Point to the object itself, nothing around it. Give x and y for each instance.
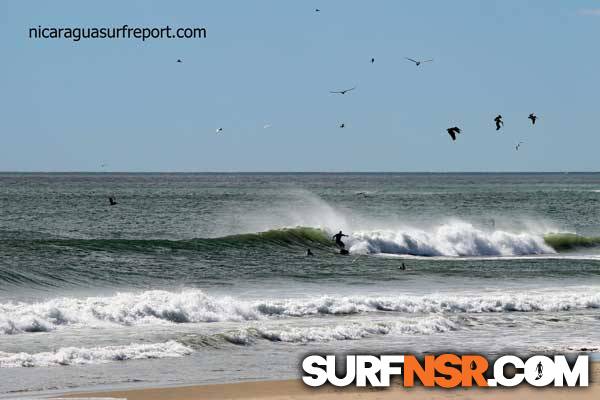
(298, 235)
(287, 237)
(570, 241)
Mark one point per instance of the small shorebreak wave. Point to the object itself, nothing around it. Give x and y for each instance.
(246, 336)
(352, 331)
(95, 355)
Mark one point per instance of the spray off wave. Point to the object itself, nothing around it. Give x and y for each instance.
(457, 239)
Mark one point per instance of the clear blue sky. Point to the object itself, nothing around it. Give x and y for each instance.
(69, 106)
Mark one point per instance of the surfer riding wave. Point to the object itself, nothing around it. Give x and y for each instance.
(338, 239)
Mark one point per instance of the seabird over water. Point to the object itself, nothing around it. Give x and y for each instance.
(453, 132)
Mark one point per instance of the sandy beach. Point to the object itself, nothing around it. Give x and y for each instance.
(295, 389)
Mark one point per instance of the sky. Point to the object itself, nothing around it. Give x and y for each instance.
(73, 106)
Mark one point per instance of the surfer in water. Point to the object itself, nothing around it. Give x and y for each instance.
(338, 239)
(112, 200)
(309, 253)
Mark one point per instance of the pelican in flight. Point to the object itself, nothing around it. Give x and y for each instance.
(453, 132)
(342, 91)
(518, 145)
(219, 130)
(419, 62)
(499, 122)
(532, 117)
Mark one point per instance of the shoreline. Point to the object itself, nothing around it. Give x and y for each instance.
(295, 389)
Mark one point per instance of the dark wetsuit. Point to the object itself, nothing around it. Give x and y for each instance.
(338, 239)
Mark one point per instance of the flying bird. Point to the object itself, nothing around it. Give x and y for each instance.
(317, 10)
(372, 60)
(499, 122)
(219, 130)
(342, 125)
(179, 60)
(342, 91)
(453, 132)
(532, 117)
(518, 145)
(418, 62)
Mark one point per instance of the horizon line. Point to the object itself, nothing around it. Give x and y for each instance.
(297, 172)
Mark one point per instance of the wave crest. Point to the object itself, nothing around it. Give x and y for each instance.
(95, 355)
(452, 240)
(194, 306)
(352, 331)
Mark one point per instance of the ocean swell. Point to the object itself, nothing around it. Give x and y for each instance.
(450, 239)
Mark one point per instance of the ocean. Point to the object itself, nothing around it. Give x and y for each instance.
(204, 278)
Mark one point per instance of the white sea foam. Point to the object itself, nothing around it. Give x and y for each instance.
(351, 331)
(435, 303)
(149, 307)
(194, 306)
(94, 355)
(451, 239)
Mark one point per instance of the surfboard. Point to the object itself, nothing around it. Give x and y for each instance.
(344, 252)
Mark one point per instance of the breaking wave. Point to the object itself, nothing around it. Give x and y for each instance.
(453, 239)
(94, 355)
(352, 331)
(194, 306)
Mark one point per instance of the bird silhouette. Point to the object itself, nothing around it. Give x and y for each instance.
(453, 132)
(342, 91)
(219, 130)
(499, 122)
(518, 146)
(342, 125)
(372, 60)
(317, 10)
(419, 62)
(532, 117)
(179, 60)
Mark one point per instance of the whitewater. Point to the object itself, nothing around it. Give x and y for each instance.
(191, 275)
